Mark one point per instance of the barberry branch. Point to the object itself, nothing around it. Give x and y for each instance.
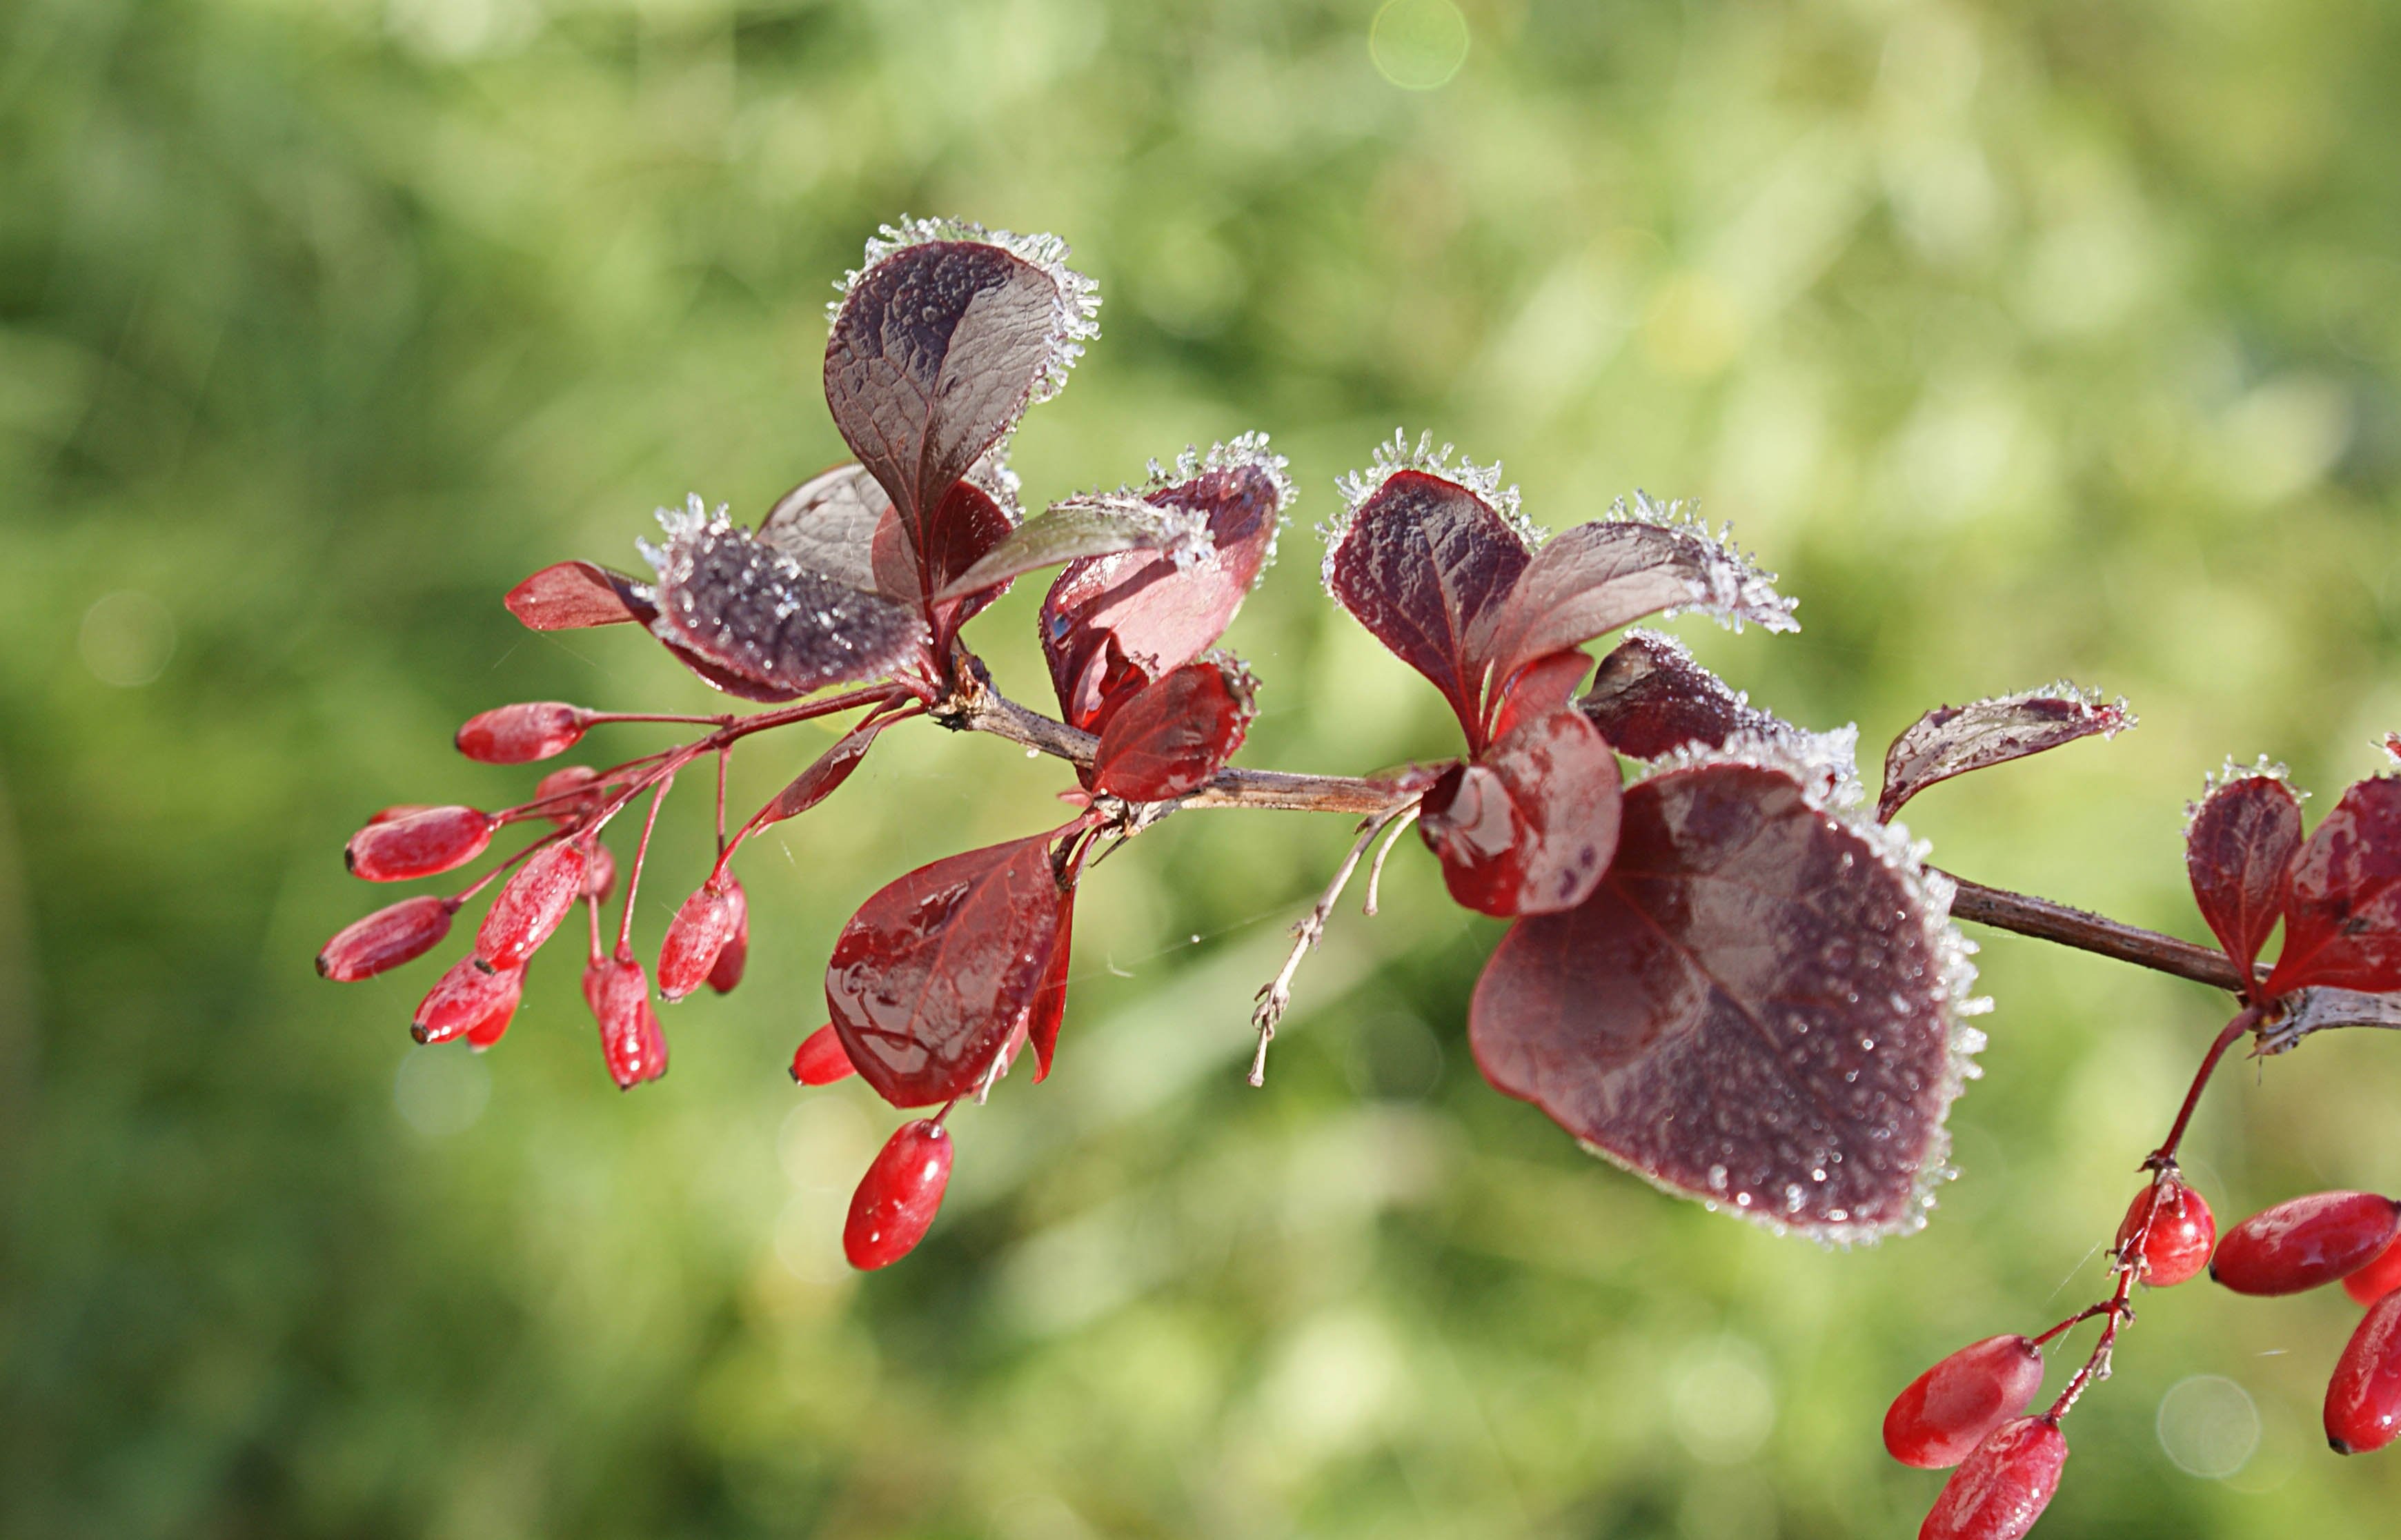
(1275, 998)
(2045, 921)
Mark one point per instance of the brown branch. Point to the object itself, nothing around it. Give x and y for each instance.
(2045, 921)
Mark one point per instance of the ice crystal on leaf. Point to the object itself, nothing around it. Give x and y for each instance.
(1726, 584)
(1390, 459)
(1075, 323)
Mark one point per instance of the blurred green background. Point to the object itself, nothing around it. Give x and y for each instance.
(2022, 340)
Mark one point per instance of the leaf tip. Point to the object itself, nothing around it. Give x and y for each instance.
(1075, 321)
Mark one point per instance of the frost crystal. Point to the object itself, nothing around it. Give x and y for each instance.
(1399, 455)
(682, 526)
(1075, 321)
(1731, 588)
(2228, 774)
(1242, 451)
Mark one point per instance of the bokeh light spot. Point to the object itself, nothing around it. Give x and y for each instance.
(127, 638)
(1418, 44)
(1722, 1400)
(2208, 1426)
(442, 1090)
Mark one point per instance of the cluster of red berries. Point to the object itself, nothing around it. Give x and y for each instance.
(1970, 1409)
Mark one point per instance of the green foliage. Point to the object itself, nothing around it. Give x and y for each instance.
(2024, 340)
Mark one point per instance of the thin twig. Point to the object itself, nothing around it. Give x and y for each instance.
(1276, 997)
(2045, 921)
(1375, 870)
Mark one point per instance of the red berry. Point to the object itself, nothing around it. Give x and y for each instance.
(531, 905)
(695, 937)
(569, 795)
(898, 1197)
(1947, 1410)
(2362, 1404)
(2378, 1278)
(519, 734)
(466, 1000)
(392, 935)
(737, 950)
(2306, 1242)
(600, 874)
(821, 1059)
(420, 843)
(2182, 1232)
(2003, 1486)
(630, 1039)
(398, 810)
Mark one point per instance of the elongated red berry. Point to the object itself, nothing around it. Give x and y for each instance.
(394, 934)
(568, 795)
(2001, 1487)
(2305, 1242)
(2181, 1234)
(695, 936)
(630, 1039)
(1949, 1410)
(530, 906)
(898, 1197)
(2378, 1278)
(466, 999)
(398, 810)
(735, 954)
(483, 1033)
(519, 734)
(420, 843)
(600, 875)
(2362, 1404)
(821, 1059)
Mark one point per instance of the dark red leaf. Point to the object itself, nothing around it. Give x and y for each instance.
(1050, 1005)
(937, 349)
(827, 525)
(753, 616)
(1649, 698)
(570, 595)
(1113, 623)
(1592, 579)
(1951, 740)
(965, 528)
(827, 771)
(1541, 688)
(2342, 921)
(1754, 1007)
(1424, 564)
(1528, 828)
(2239, 850)
(931, 975)
(1174, 736)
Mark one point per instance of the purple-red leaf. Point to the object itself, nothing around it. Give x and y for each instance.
(1755, 1008)
(931, 976)
(827, 771)
(1541, 687)
(937, 348)
(1113, 623)
(964, 529)
(1649, 698)
(2343, 919)
(754, 616)
(1174, 736)
(568, 596)
(1424, 564)
(2239, 850)
(1050, 1004)
(1529, 827)
(1597, 577)
(827, 525)
(1951, 740)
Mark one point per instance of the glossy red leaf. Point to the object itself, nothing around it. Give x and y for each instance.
(1529, 827)
(1172, 737)
(825, 773)
(1049, 1006)
(931, 975)
(754, 617)
(1594, 578)
(1541, 687)
(1081, 526)
(570, 595)
(1649, 697)
(937, 349)
(1113, 623)
(1424, 564)
(2343, 919)
(2240, 850)
(967, 525)
(1756, 1007)
(1951, 740)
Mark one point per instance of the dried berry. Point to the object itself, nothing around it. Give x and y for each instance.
(521, 734)
(392, 935)
(2362, 1404)
(695, 937)
(2182, 1230)
(467, 1001)
(2306, 1242)
(2003, 1486)
(898, 1197)
(531, 905)
(820, 1060)
(420, 843)
(1950, 1408)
